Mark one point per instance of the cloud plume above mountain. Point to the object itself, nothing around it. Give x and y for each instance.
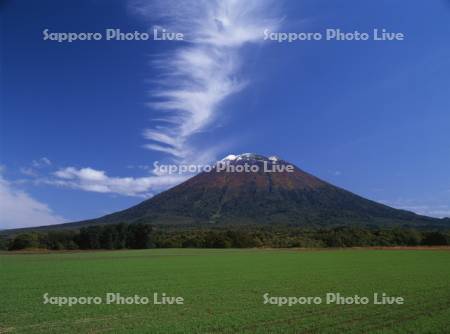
(199, 74)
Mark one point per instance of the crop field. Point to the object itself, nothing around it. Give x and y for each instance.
(223, 291)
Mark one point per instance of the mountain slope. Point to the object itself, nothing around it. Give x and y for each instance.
(261, 197)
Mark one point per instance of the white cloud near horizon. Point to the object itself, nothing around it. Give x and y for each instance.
(203, 71)
(421, 207)
(19, 209)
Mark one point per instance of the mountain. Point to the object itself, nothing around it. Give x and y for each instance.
(271, 191)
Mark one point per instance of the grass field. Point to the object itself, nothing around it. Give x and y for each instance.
(223, 291)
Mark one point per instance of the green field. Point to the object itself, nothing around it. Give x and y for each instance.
(223, 291)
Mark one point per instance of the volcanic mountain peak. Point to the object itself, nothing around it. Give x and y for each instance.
(272, 196)
(249, 157)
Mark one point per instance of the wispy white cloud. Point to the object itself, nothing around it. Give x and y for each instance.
(42, 162)
(34, 168)
(204, 71)
(28, 171)
(19, 209)
(93, 180)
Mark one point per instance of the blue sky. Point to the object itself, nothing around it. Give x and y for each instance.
(80, 121)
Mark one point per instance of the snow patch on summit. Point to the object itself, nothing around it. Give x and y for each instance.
(230, 157)
(249, 156)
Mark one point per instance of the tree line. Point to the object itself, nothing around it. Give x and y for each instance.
(140, 236)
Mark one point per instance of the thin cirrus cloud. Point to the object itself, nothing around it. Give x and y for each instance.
(204, 70)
